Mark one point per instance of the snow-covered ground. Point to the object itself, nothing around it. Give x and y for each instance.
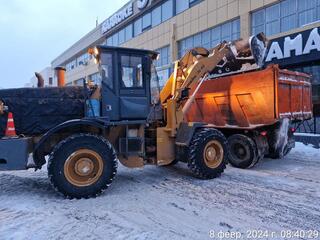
(168, 203)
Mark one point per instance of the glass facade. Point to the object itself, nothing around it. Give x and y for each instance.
(95, 78)
(79, 61)
(284, 16)
(150, 19)
(163, 65)
(122, 36)
(182, 5)
(164, 57)
(156, 16)
(79, 82)
(314, 71)
(210, 38)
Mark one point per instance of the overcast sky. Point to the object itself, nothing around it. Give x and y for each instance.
(34, 32)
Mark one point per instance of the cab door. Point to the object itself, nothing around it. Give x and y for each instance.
(134, 82)
(110, 99)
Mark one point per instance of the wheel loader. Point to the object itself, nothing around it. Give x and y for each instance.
(213, 97)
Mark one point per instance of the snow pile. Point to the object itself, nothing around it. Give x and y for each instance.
(168, 203)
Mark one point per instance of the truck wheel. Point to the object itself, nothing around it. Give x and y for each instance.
(82, 166)
(243, 152)
(207, 155)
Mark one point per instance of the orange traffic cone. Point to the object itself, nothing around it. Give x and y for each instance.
(11, 130)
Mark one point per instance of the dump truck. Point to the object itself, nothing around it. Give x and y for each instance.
(217, 106)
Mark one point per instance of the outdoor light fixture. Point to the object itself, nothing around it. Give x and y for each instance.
(95, 53)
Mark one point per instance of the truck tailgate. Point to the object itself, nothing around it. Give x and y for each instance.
(294, 95)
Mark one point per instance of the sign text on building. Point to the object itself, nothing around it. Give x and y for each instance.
(295, 49)
(141, 4)
(117, 18)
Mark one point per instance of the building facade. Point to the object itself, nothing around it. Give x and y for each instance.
(173, 26)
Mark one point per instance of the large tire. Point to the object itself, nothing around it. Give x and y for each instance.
(207, 155)
(243, 152)
(82, 166)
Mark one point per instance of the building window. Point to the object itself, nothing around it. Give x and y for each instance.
(164, 75)
(314, 71)
(167, 10)
(115, 39)
(122, 36)
(137, 27)
(83, 59)
(181, 5)
(146, 21)
(109, 41)
(288, 12)
(50, 81)
(79, 82)
(129, 32)
(226, 32)
(156, 16)
(285, 16)
(164, 57)
(95, 78)
(71, 65)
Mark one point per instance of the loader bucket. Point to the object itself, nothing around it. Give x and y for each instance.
(258, 46)
(250, 51)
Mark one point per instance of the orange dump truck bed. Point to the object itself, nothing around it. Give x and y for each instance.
(253, 99)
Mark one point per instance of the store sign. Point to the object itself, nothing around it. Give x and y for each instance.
(295, 49)
(141, 4)
(117, 18)
(122, 15)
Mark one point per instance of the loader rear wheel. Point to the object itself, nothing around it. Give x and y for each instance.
(82, 166)
(207, 156)
(243, 152)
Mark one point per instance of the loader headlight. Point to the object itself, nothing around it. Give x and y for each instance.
(94, 52)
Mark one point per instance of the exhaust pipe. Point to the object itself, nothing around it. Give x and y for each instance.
(40, 80)
(60, 73)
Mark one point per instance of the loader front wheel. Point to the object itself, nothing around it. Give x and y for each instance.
(207, 156)
(82, 166)
(243, 152)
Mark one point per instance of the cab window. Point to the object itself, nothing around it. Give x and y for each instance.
(107, 69)
(131, 72)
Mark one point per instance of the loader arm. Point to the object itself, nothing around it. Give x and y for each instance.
(196, 64)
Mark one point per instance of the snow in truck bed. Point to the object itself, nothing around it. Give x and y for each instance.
(168, 203)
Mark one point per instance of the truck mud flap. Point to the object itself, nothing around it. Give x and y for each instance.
(14, 153)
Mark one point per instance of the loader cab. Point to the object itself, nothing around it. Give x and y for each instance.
(130, 84)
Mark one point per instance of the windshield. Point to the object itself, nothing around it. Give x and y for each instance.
(154, 85)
